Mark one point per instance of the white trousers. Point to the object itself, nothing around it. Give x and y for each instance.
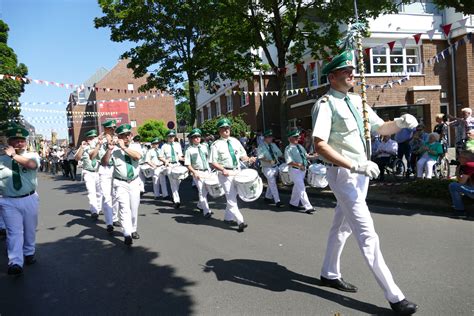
(159, 180)
(110, 209)
(174, 184)
(232, 211)
(93, 191)
(202, 191)
(127, 196)
(298, 194)
(21, 218)
(425, 163)
(272, 190)
(353, 215)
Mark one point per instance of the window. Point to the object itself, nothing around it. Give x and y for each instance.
(291, 124)
(313, 76)
(399, 60)
(133, 123)
(131, 104)
(244, 98)
(82, 97)
(218, 107)
(292, 82)
(202, 115)
(230, 103)
(209, 112)
(418, 7)
(130, 87)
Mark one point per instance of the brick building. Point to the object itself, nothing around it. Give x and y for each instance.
(430, 89)
(105, 97)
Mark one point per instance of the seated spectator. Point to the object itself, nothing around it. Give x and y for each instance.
(442, 129)
(429, 152)
(375, 143)
(470, 141)
(464, 186)
(386, 149)
(415, 144)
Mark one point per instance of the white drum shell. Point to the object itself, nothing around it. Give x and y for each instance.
(147, 170)
(284, 171)
(316, 177)
(179, 172)
(213, 186)
(249, 185)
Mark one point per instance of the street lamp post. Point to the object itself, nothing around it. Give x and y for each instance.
(261, 99)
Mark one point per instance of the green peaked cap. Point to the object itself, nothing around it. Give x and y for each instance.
(268, 133)
(223, 122)
(171, 132)
(124, 128)
(293, 133)
(110, 123)
(194, 132)
(17, 132)
(155, 140)
(91, 133)
(343, 60)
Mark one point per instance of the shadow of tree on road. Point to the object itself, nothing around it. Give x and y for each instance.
(275, 277)
(93, 273)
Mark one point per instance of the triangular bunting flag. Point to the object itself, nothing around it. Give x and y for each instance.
(320, 62)
(446, 29)
(431, 34)
(417, 38)
(462, 23)
(403, 41)
(367, 51)
(312, 65)
(391, 45)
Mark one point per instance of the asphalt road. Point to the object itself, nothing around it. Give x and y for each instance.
(184, 264)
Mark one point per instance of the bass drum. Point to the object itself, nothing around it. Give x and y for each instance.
(284, 171)
(249, 185)
(317, 176)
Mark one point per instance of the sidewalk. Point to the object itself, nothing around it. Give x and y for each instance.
(384, 194)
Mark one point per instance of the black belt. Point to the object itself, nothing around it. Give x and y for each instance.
(202, 169)
(22, 196)
(297, 168)
(125, 180)
(230, 168)
(328, 164)
(90, 170)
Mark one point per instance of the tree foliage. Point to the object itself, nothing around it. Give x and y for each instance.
(10, 89)
(238, 127)
(463, 6)
(293, 27)
(176, 38)
(152, 129)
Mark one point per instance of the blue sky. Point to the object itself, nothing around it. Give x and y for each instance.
(57, 41)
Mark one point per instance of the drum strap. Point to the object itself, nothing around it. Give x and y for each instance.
(232, 153)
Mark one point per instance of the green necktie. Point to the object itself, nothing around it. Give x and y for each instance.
(128, 162)
(16, 175)
(271, 151)
(232, 153)
(173, 154)
(205, 165)
(302, 156)
(93, 162)
(360, 123)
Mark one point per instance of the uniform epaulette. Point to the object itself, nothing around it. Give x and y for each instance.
(324, 98)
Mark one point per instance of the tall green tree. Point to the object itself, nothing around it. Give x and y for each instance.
(10, 89)
(291, 27)
(176, 39)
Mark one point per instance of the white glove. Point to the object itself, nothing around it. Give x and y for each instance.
(368, 168)
(406, 121)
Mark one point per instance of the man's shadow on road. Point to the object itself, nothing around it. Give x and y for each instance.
(84, 275)
(275, 277)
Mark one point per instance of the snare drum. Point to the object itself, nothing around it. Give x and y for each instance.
(213, 187)
(317, 176)
(284, 171)
(249, 185)
(179, 172)
(147, 170)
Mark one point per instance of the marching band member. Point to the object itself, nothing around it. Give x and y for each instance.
(297, 158)
(105, 175)
(19, 202)
(126, 184)
(143, 151)
(268, 154)
(171, 154)
(158, 178)
(89, 173)
(225, 155)
(195, 158)
(338, 131)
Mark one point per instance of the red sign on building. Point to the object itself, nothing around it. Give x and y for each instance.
(119, 110)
